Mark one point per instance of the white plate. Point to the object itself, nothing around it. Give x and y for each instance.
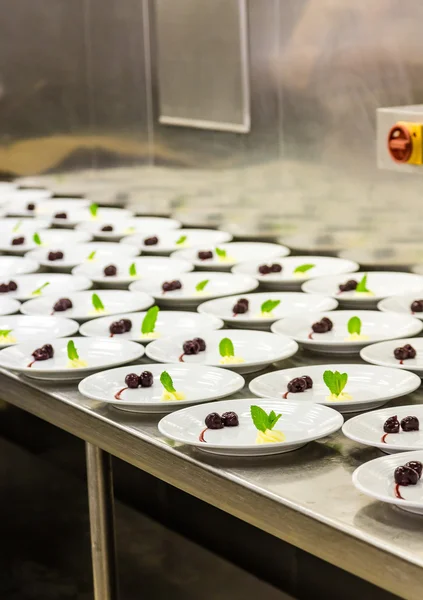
(146, 266)
(220, 284)
(17, 227)
(195, 238)
(301, 424)
(383, 354)
(35, 329)
(257, 348)
(369, 386)
(376, 479)
(401, 305)
(84, 221)
(376, 326)
(287, 280)
(368, 429)
(18, 200)
(8, 306)
(99, 353)
(123, 227)
(50, 238)
(69, 206)
(78, 254)
(169, 323)
(236, 252)
(198, 383)
(10, 266)
(58, 283)
(115, 302)
(381, 283)
(291, 303)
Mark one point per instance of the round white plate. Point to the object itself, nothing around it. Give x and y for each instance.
(146, 267)
(115, 302)
(236, 252)
(134, 226)
(376, 479)
(79, 253)
(401, 305)
(287, 279)
(219, 284)
(8, 306)
(383, 354)
(195, 238)
(100, 354)
(301, 424)
(50, 238)
(291, 303)
(169, 323)
(10, 266)
(198, 383)
(17, 227)
(257, 348)
(18, 201)
(376, 326)
(49, 208)
(368, 429)
(381, 283)
(35, 329)
(84, 221)
(58, 283)
(369, 386)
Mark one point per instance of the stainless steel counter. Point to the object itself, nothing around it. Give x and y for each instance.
(304, 497)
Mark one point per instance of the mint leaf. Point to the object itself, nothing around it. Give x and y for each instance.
(17, 226)
(181, 240)
(93, 209)
(226, 347)
(269, 305)
(91, 256)
(167, 383)
(149, 321)
(354, 325)
(273, 419)
(221, 253)
(5, 332)
(262, 420)
(362, 285)
(39, 290)
(72, 351)
(97, 303)
(303, 268)
(335, 381)
(200, 286)
(37, 239)
(133, 270)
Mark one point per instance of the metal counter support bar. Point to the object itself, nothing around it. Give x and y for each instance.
(102, 523)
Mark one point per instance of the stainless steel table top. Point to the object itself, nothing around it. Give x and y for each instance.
(305, 497)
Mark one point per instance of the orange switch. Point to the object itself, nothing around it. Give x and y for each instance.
(405, 143)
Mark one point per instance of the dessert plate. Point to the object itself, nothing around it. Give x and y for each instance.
(17, 227)
(231, 254)
(288, 279)
(375, 478)
(291, 303)
(218, 284)
(170, 241)
(18, 201)
(196, 382)
(10, 266)
(145, 267)
(99, 354)
(55, 206)
(169, 323)
(133, 226)
(375, 327)
(257, 349)
(90, 253)
(368, 429)
(300, 423)
(368, 386)
(50, 238)
(401, 305)
(34, 329)
(82, 216)
(383, 354)
(35, 285)
(380, 283)
(8, 306)
(114, 301)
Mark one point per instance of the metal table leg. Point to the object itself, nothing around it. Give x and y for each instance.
(102, 523)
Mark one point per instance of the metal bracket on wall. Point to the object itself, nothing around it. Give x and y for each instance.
(202, 62)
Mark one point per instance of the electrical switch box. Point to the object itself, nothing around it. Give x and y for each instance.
(400, 138)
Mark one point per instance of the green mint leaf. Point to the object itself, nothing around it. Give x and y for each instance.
(37, 239)
(335, 381)
(39, 290)
(273, 419)
(181, 240)
(354, 325)
(93, 209)
(133, 270)
(5, 332)
(97, 303)
(72, 351)
(167, 383)
(17, 226)
(91, 256)
(200, 286)
(269, 305)
(260, 418)
(362, 285)
(226, 347)
(221, 253)
(303, 268)
(149, 322)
